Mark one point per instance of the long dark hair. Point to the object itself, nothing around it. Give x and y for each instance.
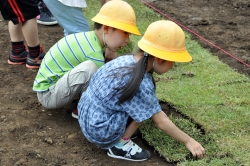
(137, 72)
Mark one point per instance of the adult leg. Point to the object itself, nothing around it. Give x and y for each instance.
(71, 19)
(67, 88)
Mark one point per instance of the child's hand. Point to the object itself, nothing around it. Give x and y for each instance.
(195, 148)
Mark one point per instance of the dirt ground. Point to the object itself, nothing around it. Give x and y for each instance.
(223, 23)
(33, 135)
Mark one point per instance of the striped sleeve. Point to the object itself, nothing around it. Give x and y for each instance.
(66, 54)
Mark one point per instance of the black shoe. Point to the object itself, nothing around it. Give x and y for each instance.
(45, 17)
(17, 59)
(129, 151)
(34, 63)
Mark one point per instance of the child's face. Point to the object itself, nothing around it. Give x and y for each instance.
(162, 66)
(115, 38)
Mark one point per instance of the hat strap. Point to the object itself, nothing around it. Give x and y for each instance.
(103, 39)
(153, 64)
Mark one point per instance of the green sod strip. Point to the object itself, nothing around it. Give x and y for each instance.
(207, 91)
(214, 96)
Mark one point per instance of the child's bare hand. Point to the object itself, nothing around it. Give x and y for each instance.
(195, 148)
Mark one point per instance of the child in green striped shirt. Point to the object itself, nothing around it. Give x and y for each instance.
(68, 66)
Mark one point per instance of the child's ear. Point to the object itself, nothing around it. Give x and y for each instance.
(105, 29)
(157, 60)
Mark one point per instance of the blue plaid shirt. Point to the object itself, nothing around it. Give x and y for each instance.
(102, 121)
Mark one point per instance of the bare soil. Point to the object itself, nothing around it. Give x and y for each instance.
(32, 135)
(220, 26)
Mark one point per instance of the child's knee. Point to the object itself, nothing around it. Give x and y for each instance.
(89, 67)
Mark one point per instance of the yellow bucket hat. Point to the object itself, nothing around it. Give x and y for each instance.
(118, 14)
(165, 40)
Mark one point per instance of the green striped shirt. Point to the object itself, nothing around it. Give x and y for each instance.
(66, 54)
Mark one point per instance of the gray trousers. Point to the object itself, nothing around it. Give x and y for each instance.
(68, 87)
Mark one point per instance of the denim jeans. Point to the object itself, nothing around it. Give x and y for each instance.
(70, 18)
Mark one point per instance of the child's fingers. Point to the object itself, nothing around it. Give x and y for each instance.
(195, 148)
(200, 152)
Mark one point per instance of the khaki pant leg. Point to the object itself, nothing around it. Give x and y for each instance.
(70, 86)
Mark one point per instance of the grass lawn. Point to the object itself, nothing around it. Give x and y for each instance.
(209, 94)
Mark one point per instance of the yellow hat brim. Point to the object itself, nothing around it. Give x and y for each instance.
(181, 56)
(115, 24)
